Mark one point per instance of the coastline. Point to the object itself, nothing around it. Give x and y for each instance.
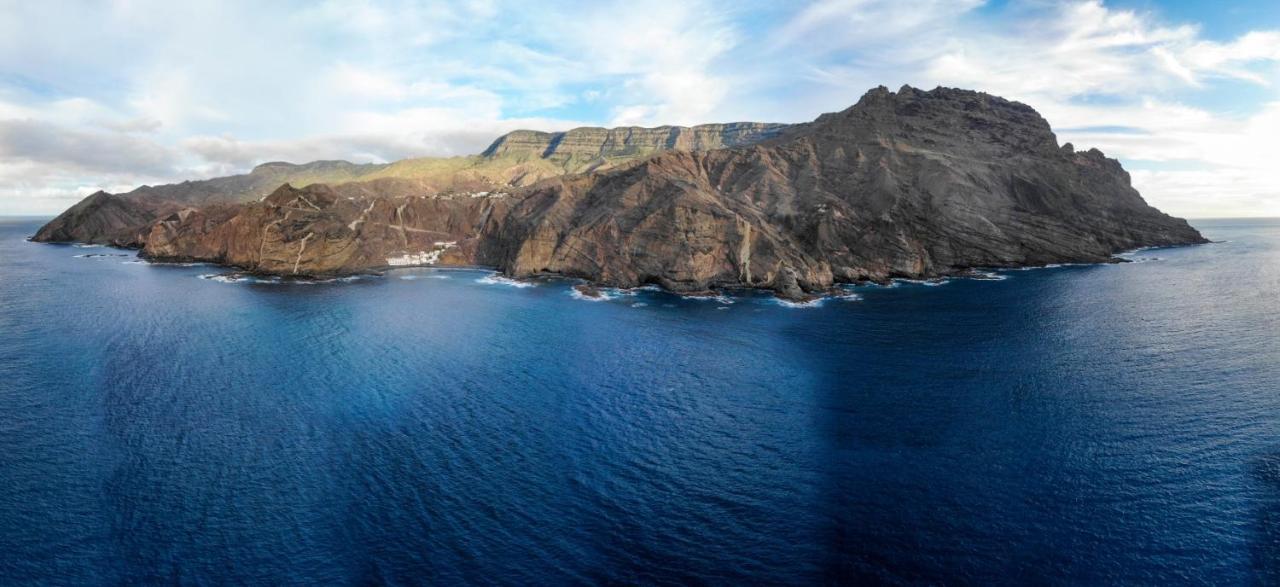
(591, 290)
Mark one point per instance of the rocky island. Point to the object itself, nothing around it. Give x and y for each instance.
(906, 184)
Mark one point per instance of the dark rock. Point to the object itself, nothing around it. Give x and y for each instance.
(588, 290)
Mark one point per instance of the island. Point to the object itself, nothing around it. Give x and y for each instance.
(908, 184)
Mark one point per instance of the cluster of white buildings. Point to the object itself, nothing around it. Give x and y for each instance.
(422, 257)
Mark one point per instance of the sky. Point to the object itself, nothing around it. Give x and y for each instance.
(113, 95)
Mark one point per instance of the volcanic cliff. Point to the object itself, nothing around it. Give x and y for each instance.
(906, 184)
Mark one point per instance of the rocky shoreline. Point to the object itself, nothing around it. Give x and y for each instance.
(596, 291)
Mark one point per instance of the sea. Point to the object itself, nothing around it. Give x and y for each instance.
(1077, 425)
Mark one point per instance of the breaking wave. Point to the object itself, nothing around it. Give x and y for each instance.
(986, 275)
(718, 298)
(935, 282)
(814, 303)
(847, 296)
(496, 279)
(611, 293)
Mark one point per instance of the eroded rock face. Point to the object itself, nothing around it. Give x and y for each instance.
(906, 184)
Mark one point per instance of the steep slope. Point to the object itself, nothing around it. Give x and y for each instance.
(906, 184)
(101, 218)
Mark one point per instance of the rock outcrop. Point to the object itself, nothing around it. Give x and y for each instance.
(907, 184)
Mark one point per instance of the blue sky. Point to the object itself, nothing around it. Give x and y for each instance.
(117, 94)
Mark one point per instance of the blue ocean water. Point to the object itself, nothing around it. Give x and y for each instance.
(1078, 425)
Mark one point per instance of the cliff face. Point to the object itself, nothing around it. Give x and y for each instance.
(629, 141)
(906, 184)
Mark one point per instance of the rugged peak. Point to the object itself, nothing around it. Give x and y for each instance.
(967, 99)
(958, 118)
(96, 199)
(876, 95)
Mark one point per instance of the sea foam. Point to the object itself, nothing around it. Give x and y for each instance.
(611, 293)
(496, 279)
(814, 303)
(274, 279)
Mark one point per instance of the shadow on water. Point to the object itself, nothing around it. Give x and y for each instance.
(1265, 549)
(938, 411)
(890, 387)
(1081, 423)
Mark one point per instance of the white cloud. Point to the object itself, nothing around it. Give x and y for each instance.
(31, 187)
(1222, 166)
(82, 150)
(664, 53)
(830, 24)
(1084, 47)
(1233, 59)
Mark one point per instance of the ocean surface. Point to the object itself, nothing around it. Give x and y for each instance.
(1114, 424)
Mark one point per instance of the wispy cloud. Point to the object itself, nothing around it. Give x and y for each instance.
(826, 25)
